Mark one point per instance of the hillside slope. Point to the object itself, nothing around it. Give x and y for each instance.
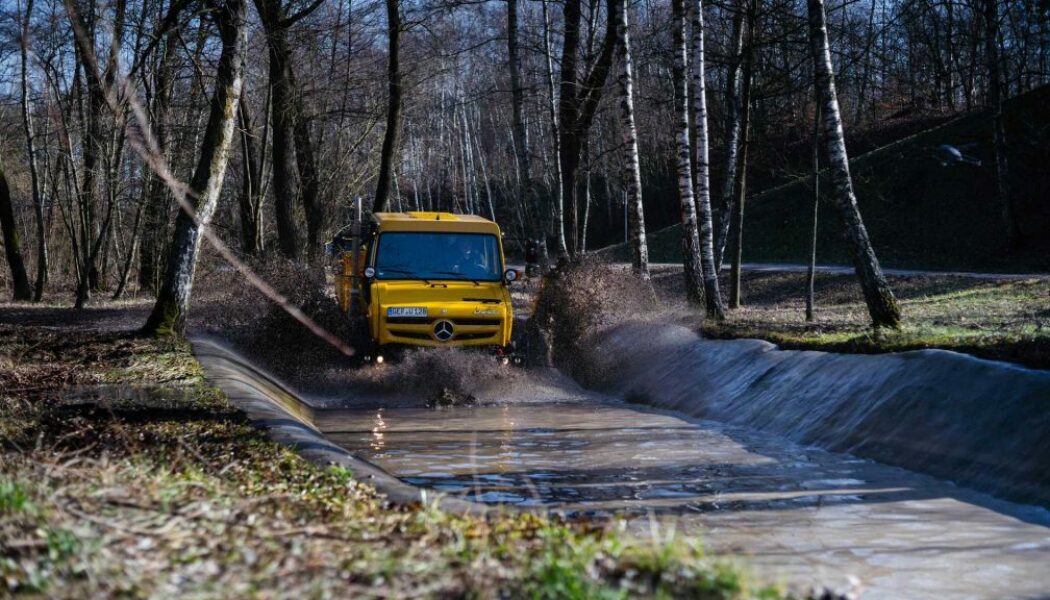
(920, 213)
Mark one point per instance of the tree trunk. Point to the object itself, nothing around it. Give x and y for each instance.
(811, 272)
(737, 205)
(712, 295)
(39, 201)
(732, 102)
(559, 200)
(393, 112)
(311, 182)
(587, 199)
(568, 111)
(282, 89)
(12, 244)
(632, 174)
(88, 193)
(995, 101)
(517, 98)
(694, 285)
(169, 312)
(251, 182)
(156, 217)
(125, 269)
(882, 305)
(578, 101)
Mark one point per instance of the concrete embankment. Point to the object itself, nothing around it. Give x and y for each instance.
(980, 423)
(290, 421)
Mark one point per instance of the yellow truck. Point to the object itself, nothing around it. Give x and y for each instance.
(425, 279)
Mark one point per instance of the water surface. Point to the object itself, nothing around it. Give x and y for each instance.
(796, 513)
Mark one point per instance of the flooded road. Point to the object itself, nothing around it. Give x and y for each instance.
(796, 514)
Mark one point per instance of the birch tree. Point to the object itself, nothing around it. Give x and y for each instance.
(632, 174)
(552, 113)
(694, 285)
(169, 311)
(882, 305)
(712, 295)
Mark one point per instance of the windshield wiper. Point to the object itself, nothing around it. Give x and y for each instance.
(460, 278)
(405, 272)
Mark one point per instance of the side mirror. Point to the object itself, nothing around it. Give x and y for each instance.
(511, 275)
(369, 272)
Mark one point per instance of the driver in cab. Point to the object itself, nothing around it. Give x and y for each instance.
(470, 260)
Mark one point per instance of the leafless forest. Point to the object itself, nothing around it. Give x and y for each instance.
(577, 122)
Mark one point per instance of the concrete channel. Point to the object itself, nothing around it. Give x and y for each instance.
(787, 509)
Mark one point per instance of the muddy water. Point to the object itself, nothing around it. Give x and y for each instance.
(796, 514)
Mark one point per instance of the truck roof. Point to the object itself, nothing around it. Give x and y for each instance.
(434, 221)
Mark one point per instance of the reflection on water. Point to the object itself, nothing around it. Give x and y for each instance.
(802, 514)
(378, 427)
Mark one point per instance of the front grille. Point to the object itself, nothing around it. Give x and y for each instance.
(407, 320)
(474, 336)
(492, 322)
(426, 320)
(415, 335)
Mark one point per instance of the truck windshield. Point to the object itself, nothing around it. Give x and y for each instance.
(428, 255)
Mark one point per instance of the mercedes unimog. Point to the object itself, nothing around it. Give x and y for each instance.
(424, 279)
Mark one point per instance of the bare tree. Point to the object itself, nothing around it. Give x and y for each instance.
(293, 172)
(158, 199)
(632, 174)
(734, 210)
(578, 102)
(169, 312)
(694, 284)
(882, 305)
(995, 101)
(811, 271)
(252, 190)
(732, 110)
(12, 241)
(712, 295)
(559, 196)
(393, 111)
(518, 132)
(39, 201)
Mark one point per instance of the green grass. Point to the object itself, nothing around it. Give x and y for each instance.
(1001, 320)
(918, 213)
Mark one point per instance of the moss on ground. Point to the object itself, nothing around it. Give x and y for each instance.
(125, 474)
(996, 319)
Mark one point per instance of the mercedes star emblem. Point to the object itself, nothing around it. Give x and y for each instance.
(443, 331)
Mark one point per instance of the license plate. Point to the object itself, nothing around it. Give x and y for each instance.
(406, 311)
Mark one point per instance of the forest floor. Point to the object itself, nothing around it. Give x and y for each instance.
(123, 472)
(1000, 319)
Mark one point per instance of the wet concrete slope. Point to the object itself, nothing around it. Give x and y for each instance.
(978, 422)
